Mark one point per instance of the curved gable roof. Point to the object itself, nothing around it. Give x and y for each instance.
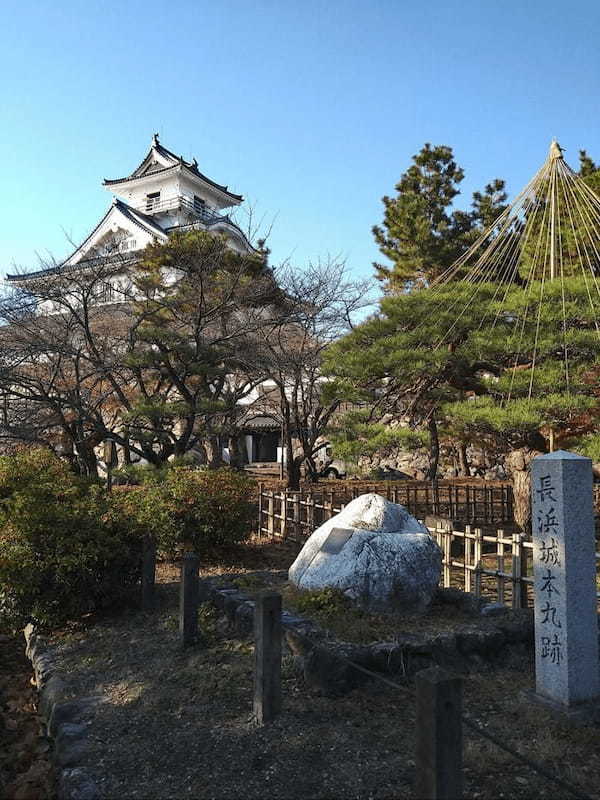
(160, 155)
(118, 208)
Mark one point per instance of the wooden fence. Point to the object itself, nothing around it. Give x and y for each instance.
(496, 564)
(294, 515)
(490, 561)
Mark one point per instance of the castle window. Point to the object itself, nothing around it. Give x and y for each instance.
(103, 293)
(152, 201)
(199, 205)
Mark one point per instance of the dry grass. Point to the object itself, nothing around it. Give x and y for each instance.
(351, 624)
(25, 768)
(177, 723)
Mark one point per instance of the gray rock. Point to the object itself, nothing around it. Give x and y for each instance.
(70, 730)
(372, 512)
(376, 553)
(76, 784)
(72, 711)
(70, 751)
(244, 618)
(52, 694)
(230, 605)
(220, 596)
(493, 610)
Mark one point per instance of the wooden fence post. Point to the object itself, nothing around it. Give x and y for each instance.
(516, 570)
(284, 509)
(148, 573)
(271, 514)
(439, 735)
(524, 585)
(467, 559)
(500, 567)
(297, 512)
(260, 510)
(310, 512)
(327, 506)
(447, 562)
(478, 555)
(267, 657)
(188, 599)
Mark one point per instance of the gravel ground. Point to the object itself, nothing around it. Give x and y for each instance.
(177, 723)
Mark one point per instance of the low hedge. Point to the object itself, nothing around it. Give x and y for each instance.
(200, 508)
(67, 547)
(63, 550)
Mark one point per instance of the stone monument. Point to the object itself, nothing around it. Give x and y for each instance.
(564, 568)
(376, 553)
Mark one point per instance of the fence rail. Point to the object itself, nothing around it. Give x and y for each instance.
(294, 515)
(486, 561)
(496, 564)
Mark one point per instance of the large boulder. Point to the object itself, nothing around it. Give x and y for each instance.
(376, 553)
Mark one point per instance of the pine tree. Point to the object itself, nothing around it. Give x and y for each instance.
(589, 171)
(421, 234)
(489, 357)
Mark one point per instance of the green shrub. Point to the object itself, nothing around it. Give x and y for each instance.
(326, 602)
(64, 551)
(209, 507)
(142, 474)
(201, 508)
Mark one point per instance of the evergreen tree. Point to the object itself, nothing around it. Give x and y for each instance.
(589, 171)
(493, 360)
(421, 235)
(499, 380)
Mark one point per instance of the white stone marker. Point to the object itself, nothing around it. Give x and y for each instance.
(564, 570)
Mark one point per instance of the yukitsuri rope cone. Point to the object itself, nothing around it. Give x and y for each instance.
(546, 245)
(523, 302)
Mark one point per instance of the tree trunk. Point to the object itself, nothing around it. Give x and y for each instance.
(126, 450)
(292, 463)
(518, 464)
(313, 472)
(236, 455)
(87, 459)
(294, 474)
(463, 464)
(215, 459)
(434, 449)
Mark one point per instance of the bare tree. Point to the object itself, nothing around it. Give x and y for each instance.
(147, 352)
(322, 303)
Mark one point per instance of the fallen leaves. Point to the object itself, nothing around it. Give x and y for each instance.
(25, 769)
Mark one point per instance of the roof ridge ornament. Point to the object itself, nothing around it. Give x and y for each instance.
(155, 141)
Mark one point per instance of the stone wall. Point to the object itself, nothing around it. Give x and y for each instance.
(415, 463)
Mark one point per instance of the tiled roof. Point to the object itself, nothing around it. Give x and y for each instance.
(139, 219)
(177, 161)
(208, 223)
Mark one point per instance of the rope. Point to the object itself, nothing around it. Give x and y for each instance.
(551, 232)
(545, 773)
(550, 776)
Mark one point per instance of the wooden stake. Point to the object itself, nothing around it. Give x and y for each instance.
(439, 735)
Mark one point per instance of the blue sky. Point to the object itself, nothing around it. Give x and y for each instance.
(312, 110)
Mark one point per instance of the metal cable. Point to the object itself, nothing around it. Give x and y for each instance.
(471, 724)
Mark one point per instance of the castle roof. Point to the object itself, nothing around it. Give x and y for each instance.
(160, 160)
(129, 219)
(118, 212)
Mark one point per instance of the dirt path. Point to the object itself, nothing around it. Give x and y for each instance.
(178, 724)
